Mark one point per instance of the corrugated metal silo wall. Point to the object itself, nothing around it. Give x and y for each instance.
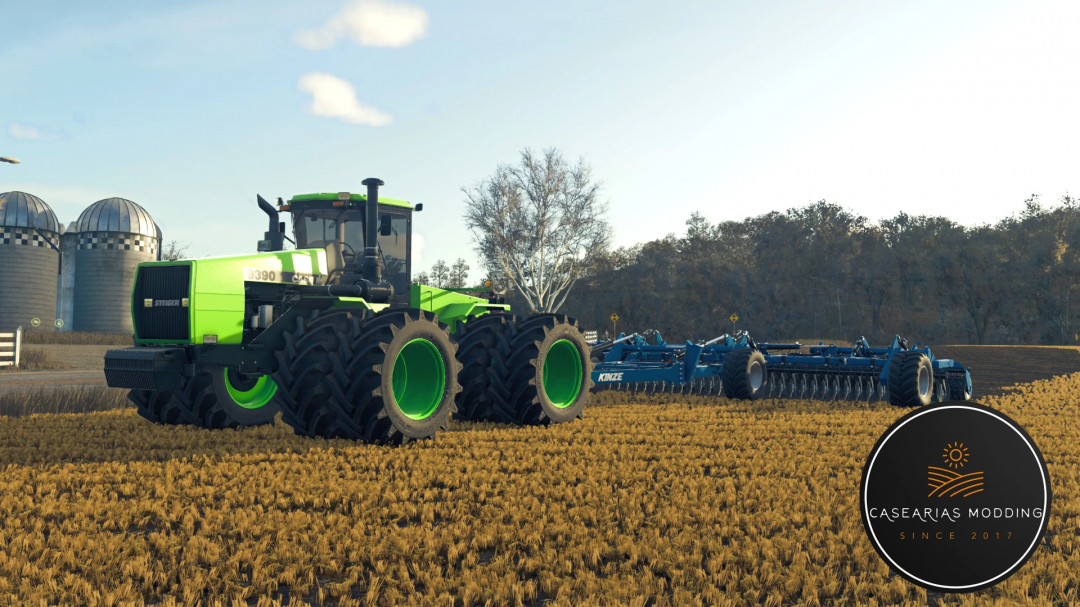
(28, 267)
(104, 275)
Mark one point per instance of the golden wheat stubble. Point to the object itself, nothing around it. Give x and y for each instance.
(702, 501)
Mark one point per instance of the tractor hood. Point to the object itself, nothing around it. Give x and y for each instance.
(180, 302)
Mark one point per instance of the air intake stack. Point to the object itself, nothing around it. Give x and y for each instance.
(372, 266)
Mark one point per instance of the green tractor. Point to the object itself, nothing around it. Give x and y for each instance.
(336, 337)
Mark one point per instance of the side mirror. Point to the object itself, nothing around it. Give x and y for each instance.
(385, 227)
(419, 206)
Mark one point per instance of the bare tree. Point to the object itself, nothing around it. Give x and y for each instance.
(173, 251)
(539, 224)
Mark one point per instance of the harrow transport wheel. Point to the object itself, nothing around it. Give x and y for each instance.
(384, 378)
(157, 406)
(543, 372)
(911, 379)
(249, 400)
(958, 386)
(477, 340)
(745, 376)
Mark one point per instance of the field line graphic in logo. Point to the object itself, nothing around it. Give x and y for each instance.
(945, 482)
(955, 497)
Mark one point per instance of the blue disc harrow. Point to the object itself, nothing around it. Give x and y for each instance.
(736, 367)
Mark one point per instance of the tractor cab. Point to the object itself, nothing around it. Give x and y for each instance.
(337, 223)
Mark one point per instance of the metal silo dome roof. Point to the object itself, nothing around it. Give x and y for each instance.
(117, 215)
(22, 210)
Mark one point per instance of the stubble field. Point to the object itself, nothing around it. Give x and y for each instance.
(683, 501)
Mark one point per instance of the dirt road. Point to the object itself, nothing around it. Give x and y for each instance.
(84, 364)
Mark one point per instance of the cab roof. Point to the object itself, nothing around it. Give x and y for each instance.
(331, 196)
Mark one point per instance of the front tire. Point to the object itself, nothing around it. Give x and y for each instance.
(385, 378)
(202, 406)
(157, 406)
(247, 400)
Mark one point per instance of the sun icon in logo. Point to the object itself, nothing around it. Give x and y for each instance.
(955, 455)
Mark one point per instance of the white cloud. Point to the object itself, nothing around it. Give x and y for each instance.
(20, 130)
(376, 23)
(418, 243)
(332, 97)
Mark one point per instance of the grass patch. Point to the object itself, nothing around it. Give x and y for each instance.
(85, 338)
(33, 359)
(63, 399)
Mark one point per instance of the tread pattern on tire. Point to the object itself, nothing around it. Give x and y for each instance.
(156, 406)
(478, 340)
(903, 392)
(199, 402)
(195, 404)
(734, 383)
(513, 388)
(307, 360)
(330, 373)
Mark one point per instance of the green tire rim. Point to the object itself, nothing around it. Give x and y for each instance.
(255, 397)
(419, 379)
(562, 373)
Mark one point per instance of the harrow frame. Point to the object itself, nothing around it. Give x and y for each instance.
(825, 372)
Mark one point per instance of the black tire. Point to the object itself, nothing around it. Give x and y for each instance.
(200, 406)
(911, 379)
(233, 409)
(335, 375)
(957, 386)
(518, 381)
(157, 406)
(477, 338)
(744, 375)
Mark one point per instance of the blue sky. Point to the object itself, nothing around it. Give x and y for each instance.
(729, 108)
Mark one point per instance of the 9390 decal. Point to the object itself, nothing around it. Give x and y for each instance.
(261, 275)
(256, 274)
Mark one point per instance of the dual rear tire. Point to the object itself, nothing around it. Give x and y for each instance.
(541, 372)
(215, 398)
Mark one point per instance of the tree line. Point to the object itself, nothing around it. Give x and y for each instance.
(822, 272)
(814, 272)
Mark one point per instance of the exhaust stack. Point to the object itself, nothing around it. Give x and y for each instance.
(274, 238)
(372, 266)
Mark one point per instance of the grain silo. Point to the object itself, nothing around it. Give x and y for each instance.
(114, 236)
(28, 264)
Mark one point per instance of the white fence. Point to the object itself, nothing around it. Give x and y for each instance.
(9, 348)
